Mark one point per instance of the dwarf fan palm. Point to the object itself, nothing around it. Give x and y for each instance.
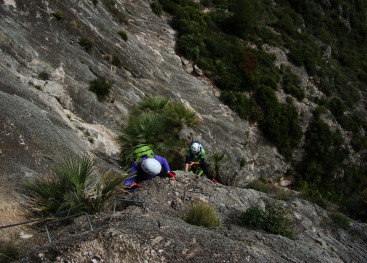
(155, 104)
(180, 115)
(156, 121)
(73, 183)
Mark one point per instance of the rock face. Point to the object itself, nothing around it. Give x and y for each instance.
(48, 112)
(161, 234)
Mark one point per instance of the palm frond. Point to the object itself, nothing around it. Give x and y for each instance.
(145, 128)
(72, 183)
(180, 115)
(154, 104)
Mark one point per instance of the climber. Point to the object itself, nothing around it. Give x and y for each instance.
(195, 156)
(146, 166)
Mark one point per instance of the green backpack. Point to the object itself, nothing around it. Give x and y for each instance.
(142, 150)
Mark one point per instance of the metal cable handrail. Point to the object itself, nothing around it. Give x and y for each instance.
(40, 219)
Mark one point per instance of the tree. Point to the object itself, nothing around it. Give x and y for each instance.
(245, 16)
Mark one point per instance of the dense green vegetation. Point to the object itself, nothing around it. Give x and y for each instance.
(272, 220)
(115, 12)
(328, 40)
(101, 87)
(340, 220)
(213, 40)
(86, 43)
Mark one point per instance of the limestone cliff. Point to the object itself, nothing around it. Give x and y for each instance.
(47, 112)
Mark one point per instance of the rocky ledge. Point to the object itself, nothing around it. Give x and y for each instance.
(159, 233)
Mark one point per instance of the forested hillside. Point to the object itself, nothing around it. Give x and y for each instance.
(229, 41)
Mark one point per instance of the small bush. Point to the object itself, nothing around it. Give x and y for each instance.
(291, 85)
(245, 107)
(86, 43)
(264, 186)
(313, 195)
(272, 220)
(217, 160)
(123, 35)
(157, 8)
(115, 12)
(355, 205)
(340, 220)
(72, 183)
(44, 75)
(101, 87)
(268, 36)
(201, 214)
(95, 2)
(116, 61)
(58, 15)
(260, 186)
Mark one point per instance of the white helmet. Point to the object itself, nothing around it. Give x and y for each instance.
(151, 166)
(195, 148)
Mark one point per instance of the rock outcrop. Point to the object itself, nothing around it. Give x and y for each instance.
(161, 234)
(47, 111)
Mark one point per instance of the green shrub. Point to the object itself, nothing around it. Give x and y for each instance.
(58, 15)
(280, 123)
(244, 106)
(355, 204)
(122, 34)
(340, 220)
(260, 186)
(312, 194)
(272, 220)
(217, 160)
(201, 214)
(189, 45)
(359, 142)
(44, 75)
(291, 85)
(245, 17)
(116, 61)
(319, 110)
(288, 21)
(263, 185)
(268, 36)
(86, 43)
(337, 107)
(73, 183)
(95, 2)
(325, 154)
(101, 87)
(157, 8)
(115, 12)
